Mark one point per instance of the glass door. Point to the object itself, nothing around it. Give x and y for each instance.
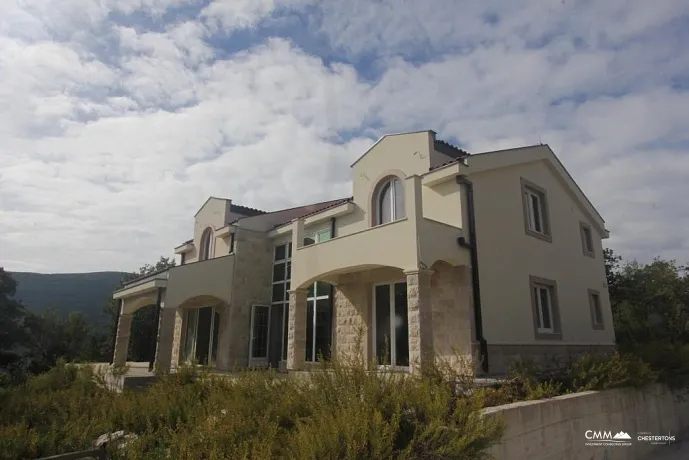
(201, 336)
(391, 329)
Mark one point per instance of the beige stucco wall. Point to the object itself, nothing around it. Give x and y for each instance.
(508, 256)
(443, 203)
(555, 428)
(200, 284)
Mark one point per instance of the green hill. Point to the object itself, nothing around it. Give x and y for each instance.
(87, 293)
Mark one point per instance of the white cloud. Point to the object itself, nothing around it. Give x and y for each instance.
(113, 134)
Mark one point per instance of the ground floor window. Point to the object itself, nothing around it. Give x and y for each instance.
(260, 321)
(201, 335)
(319, 318)
(391, 328)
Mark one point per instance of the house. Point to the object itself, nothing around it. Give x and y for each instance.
(490, 256)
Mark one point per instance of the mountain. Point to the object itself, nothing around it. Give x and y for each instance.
(87, 293)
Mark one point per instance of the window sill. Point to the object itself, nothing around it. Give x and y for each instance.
(590, 254)
(540, 236)
(548, 335)
(598, 327)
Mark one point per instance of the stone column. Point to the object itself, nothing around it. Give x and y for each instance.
(176, 337)
(165, 339)
(296, 329)
(419, 312)
(124, 327)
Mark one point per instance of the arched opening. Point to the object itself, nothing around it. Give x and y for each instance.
(206, 240)
(389, 201)
(142, 329)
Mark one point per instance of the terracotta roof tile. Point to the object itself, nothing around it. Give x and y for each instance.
(326, 205)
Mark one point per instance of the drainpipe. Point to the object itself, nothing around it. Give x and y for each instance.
(117, 325)
(332, 227)
(475, 284)
(154, 339)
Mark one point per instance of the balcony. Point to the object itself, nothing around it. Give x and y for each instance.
(391, 245)
(200, 283)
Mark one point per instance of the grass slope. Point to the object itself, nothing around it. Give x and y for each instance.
(87, 293)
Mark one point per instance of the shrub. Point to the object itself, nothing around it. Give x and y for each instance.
(601, 372)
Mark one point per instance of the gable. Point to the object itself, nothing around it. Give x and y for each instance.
(488, 161)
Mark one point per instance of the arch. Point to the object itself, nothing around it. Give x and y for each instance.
(206, 246)
(388, 204)
(132, 305)
(330, 277)
(201, 301)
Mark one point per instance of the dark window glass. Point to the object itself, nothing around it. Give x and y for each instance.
(324, 320)
(598, 313)
(259, 344)
(309, 331)
(535, 202)
(545, 308)
(289, 270)
(279, 252)
(309, 240)
(312, 291)
(278, 292)
(278, 272)
(289, 250)
(401, 325)
(285, 318)
(382, 294)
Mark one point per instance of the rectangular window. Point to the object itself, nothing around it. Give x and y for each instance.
(536, 215)
(318, 237)
(259, 331)
(596, 310)
(282, 273)
(319, 319)
(586, 239)
(391, 327)
(546, 315)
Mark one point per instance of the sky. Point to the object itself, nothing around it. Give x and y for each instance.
(118, 118)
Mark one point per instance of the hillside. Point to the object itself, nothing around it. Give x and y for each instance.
(87, 293)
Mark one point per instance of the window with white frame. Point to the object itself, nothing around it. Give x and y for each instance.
(596, 310)
(544, 307)
(260, 317)
(282, 274)
(586, 239)
(319, 309)
(390, 201)
(535, 210)
(391, 324)
(206, 244)
(546, 313)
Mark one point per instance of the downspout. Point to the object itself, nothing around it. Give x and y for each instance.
(154, 339)
(332, 227)
(117, 326)
(475, 284)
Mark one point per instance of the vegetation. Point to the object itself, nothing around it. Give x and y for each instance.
(31, 343)
(344, 413)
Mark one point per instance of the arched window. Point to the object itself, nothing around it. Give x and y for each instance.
(390, 201)
(205, 249)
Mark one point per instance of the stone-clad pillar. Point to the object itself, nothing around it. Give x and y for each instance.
(296, 330)
(124, 326)
(163, 357)
(420, 317)
(177, 337)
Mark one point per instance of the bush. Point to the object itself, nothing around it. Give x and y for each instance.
(343, 412)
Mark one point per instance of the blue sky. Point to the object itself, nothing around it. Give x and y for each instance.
(118, 118)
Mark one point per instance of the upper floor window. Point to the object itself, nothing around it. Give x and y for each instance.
(536, 211)
(318, 237)
(205, 248)
(586, 239)
(390, 201)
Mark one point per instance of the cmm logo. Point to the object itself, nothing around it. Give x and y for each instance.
(606, 438)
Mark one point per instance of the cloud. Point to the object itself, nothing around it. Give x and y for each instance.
(118, 119)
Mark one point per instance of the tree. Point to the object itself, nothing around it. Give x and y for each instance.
(12, 313)
(650, 302)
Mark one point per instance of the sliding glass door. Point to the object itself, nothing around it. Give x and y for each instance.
(201, 335)
(391, 329)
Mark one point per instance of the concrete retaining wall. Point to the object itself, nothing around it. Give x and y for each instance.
(555, 428)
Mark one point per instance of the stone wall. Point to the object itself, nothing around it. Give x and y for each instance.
(500, 357)
(251, 284)
(351, 313)
(177, 337)
(556, 428)
(453, 317)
